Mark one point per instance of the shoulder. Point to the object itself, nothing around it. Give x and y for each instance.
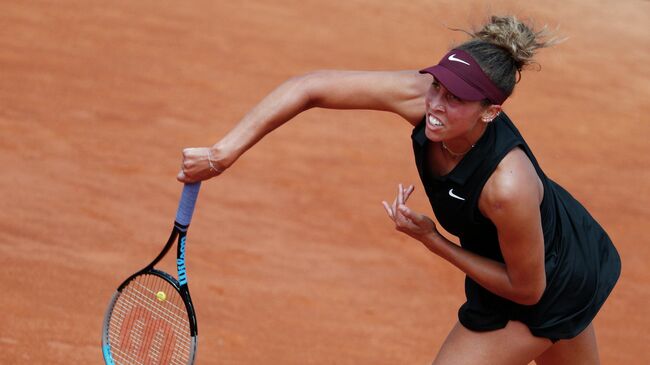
(416, 86)
(513, 186)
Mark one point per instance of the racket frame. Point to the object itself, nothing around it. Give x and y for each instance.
(178, 235)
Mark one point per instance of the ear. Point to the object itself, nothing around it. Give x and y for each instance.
(490, 113)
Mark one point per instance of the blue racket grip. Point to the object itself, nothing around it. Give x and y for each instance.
(186, 205)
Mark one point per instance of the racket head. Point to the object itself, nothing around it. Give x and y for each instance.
(150, 320)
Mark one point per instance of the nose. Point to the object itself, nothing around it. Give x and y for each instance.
(434, 103)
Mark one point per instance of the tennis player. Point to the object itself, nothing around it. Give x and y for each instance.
(538, 266)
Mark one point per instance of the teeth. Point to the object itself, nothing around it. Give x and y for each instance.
(434, 122)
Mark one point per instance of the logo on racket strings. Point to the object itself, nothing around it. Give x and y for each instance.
(180, 263)
(150, 340)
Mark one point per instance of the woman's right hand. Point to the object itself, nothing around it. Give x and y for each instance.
(199, 164)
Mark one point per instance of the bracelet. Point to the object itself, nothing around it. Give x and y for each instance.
(212, 168)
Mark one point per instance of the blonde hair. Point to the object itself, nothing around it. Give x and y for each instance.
(504, 46)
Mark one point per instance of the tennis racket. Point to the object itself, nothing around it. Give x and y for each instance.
(150, 319)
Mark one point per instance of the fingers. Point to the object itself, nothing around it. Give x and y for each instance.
(388, 209)
(405, 219)
(408, 192)
(403, 194)
(182, 177)
(186, 163)
(197, 164)
(400, 200)
(396, 214)
(408, 213)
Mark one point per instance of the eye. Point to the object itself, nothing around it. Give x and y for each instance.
(452, 97)
(435, 84)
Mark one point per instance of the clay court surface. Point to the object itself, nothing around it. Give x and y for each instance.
(291, 259)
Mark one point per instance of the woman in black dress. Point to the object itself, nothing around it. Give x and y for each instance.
(538, 266)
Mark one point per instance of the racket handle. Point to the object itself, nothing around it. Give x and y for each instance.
(186, 205)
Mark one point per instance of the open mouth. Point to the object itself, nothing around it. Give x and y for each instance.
(433, 121)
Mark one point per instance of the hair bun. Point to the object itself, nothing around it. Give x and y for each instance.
(513, 35)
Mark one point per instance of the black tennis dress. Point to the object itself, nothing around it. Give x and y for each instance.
(581, 262)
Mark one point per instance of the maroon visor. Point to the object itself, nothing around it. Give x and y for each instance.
(463, 77)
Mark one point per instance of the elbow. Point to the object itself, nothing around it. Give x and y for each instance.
(298, 87)
(311, 88)
(530, 295)
(529, 299)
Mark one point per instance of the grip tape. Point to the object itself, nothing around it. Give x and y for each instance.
(186, 205)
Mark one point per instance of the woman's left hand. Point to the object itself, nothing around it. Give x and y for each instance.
(407, 221)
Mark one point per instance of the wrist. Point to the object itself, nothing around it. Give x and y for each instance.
(222, 155)
(433, 241)
(213, 163)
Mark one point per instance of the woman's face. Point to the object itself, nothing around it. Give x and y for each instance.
(449, 117)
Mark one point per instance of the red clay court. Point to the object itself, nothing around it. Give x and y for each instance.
(291, 259)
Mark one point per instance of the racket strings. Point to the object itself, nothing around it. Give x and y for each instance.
(152, 336)
(150, 328)
(158, 338)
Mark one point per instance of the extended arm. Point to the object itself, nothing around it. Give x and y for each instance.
(400, 92)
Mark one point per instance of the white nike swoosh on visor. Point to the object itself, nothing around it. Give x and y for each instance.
(453, 58)
(451, 194)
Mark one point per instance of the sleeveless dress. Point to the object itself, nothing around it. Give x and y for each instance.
(582, 265)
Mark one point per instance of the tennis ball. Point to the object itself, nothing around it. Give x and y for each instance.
(161, 295)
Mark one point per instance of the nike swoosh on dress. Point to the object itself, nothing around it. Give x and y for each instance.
(451, 194)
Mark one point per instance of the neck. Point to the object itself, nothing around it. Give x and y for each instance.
(460, 146)
(453, 153)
